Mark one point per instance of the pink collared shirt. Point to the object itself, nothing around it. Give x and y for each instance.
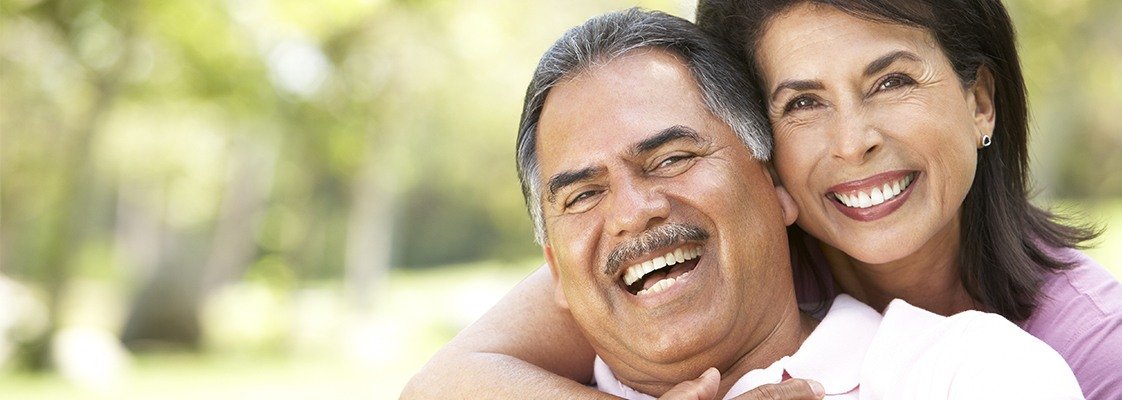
(1078, 313)
(908, 353)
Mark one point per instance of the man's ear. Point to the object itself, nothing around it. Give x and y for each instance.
(558, 291)
(981, 102)
(772, 174)
(787, 205)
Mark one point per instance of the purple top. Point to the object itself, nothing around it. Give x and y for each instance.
(1079, 314)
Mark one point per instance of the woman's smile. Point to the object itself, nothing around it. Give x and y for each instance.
(875, 135)
(874, 197)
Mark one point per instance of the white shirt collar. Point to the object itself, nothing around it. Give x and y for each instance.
(832, 355)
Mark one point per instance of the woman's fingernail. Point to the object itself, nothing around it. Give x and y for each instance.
(817, 388)
(709, 371)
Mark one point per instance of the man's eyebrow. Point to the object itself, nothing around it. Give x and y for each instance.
(796, 85)
(884, 61)
(676, 132)
(563, 179)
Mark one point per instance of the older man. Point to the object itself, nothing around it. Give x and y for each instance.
(643, 166)
(662, 226)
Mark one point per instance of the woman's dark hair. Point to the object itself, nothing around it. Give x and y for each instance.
(1007, 243)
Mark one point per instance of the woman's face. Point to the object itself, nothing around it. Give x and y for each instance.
(876, 137)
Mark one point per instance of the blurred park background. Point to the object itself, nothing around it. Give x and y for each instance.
(290, 199)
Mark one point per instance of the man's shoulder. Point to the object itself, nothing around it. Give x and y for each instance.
(971, 354)
(909, 334)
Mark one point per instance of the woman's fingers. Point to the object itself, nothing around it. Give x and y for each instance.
(791, 389)
(703, 388)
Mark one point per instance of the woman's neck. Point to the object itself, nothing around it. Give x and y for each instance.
(928, 278)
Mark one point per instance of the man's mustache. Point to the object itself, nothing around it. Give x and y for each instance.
(661, 236)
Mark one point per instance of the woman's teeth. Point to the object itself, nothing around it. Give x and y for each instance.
(869, 198)
(638, 271)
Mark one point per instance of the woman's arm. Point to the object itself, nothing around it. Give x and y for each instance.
(526, 346)
(529, 347)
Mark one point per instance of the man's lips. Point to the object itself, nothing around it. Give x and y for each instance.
(660, 272)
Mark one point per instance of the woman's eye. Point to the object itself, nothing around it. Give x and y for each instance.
(894, 81)
(800, 103)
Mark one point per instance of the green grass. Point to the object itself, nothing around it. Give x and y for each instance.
(213, 376)
(354, 356)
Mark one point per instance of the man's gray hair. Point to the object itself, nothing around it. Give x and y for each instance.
(725, 86)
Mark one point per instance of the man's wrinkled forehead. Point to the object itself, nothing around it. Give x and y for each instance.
(646, 91)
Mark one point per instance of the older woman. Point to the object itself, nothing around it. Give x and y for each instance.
(901, 133)
(900, 130)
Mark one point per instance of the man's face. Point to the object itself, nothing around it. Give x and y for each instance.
(635, 168)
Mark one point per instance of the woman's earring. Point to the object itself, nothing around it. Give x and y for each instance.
(986, 141)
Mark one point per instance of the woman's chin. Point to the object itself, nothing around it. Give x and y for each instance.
(874, 251)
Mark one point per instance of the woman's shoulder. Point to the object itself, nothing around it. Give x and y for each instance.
(1079, 314)
(1085, 291)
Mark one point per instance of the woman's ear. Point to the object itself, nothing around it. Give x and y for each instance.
(787, 205)
(981, 102)
(558, 290)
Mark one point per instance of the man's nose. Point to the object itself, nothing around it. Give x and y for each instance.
(636, 206)
(855, 139)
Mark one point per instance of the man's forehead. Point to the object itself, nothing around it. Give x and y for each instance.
(620, 102)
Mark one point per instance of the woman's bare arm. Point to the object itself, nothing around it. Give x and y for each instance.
(529, 347)
(526, 346)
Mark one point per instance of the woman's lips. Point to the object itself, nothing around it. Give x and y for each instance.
(874, 197)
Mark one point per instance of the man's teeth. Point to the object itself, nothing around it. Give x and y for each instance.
(866, 199)
(661, 285)
(635, 272)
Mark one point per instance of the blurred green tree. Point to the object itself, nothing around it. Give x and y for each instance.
(170, 146)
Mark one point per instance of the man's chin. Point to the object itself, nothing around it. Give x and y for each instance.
(657, 373)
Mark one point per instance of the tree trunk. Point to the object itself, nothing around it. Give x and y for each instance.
(166, 312)
(369, 228)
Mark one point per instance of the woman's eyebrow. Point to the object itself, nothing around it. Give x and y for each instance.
(797, 85)
(884, 61)
(874, 67)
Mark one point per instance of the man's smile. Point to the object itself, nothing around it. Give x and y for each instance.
(659, 273)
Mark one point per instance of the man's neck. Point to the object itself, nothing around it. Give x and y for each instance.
(785, 340)
(752, 350)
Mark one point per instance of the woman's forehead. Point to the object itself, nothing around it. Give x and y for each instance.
(808, 38)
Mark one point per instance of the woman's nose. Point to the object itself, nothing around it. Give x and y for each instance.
(855, 139)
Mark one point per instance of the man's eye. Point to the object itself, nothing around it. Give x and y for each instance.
(672, 160)
(673, 165)
(800, 103)
(580, 197)
(894, 81)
